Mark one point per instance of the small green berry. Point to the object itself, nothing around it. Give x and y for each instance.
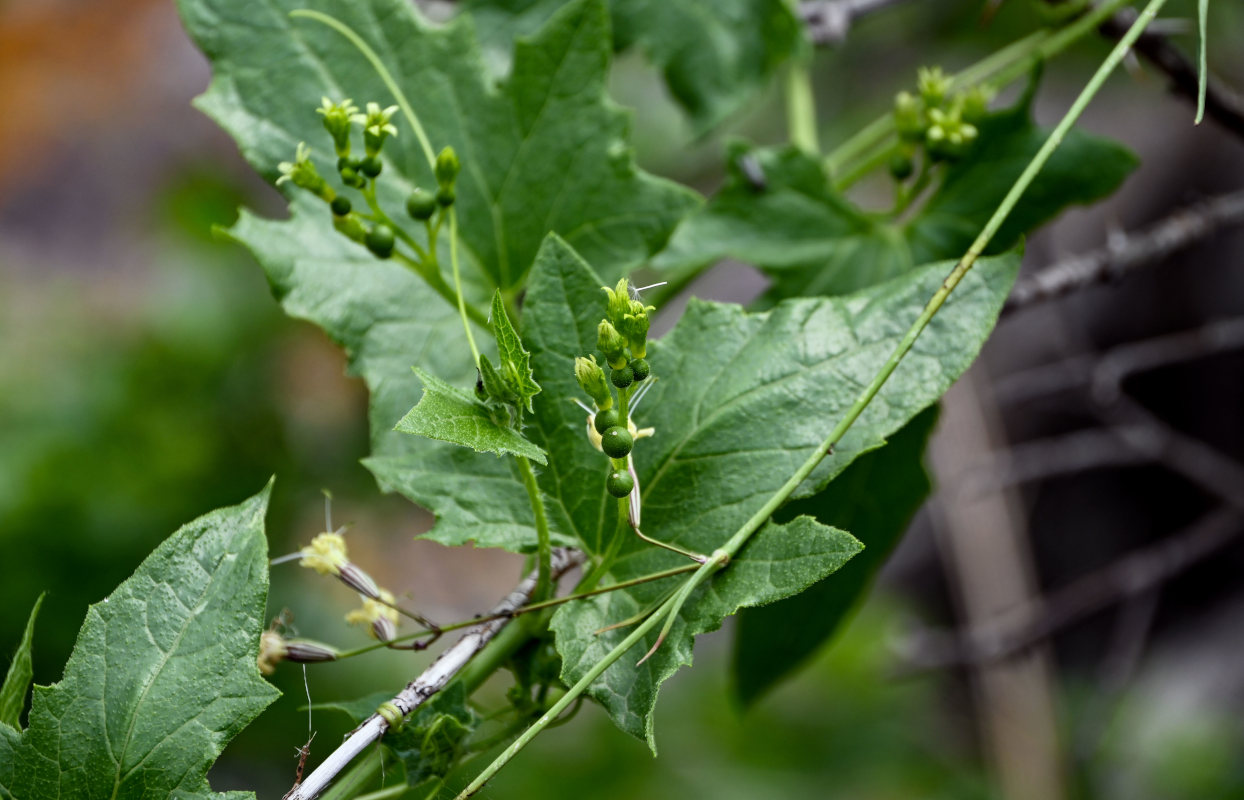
(371, 166)
(421, 204)
(350, 177)
(640, 368)
(445, 195)
(343, 162)
(901, 166)
(616, 442)
(380, 241)
(341, 206)
(620, 483)
(623, 377)
(606, 419)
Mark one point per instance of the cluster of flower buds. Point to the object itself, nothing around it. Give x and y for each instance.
(374, 230)
(622, 337)
(939, 119)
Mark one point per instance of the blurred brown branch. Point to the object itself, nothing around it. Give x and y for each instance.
(1128, 577)
(1125, 252)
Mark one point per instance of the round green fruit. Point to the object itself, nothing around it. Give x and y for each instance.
(620, 483)
(380, 241)
(606, 420)
(616, 442)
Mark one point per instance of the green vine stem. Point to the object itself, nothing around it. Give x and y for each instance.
(453, 265)
(721, 557)
(381, 70)
(801, 108)
(544, 546)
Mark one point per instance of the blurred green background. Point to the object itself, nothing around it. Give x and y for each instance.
(147, 376)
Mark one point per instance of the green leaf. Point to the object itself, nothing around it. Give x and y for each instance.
(737, 47)
(515, 361)
(875, 499)
(779, 561)
(515, 142)
(452, 415)
(542, 150)
(163, 674)
(17, 679)
(813, 241)
(742, 400)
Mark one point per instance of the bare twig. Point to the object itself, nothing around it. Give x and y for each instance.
(1105, 372)
(433, 679)
(1048, 458)
(829, 21)
(1221, 104)
(1128, 577)
(1127, 252)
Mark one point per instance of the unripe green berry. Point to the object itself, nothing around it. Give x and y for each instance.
(380, 241)
(371, 166)
(343, 162)
(616, 442)
(341, 206)
(421, 204)
(350, 177)
(640, 369)
(623, 377)
(606, 419)
(901, 166)
(619, 483)
(445, 195)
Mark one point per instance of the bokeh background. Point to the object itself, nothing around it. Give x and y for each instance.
(147, 376)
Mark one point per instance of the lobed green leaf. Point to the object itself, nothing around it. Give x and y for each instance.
(163, 674)
(742, 400)
(452, 415)
(738, 47)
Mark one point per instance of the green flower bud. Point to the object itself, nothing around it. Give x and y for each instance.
(377, 127)
(302, 173)
(591, 379)
(340, 205)
(611, 343)
(616, 442)
(352, 227)
(909, 118)
(635, 328)
(619, 303)
(338, 118)
(933, 85)
(445, 195)
(371, 166)
(619, 483)
(380, 240)
(606, 419)
(447, 167)
(421, 204)
(640, 368)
